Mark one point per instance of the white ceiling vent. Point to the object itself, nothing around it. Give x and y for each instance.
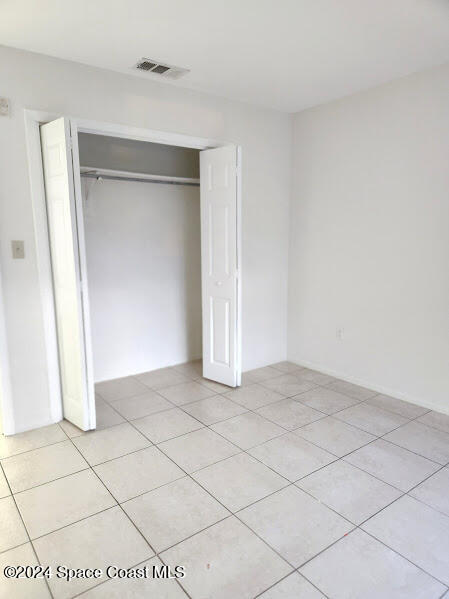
(158, 68)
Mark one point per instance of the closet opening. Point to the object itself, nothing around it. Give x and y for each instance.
(142, 232)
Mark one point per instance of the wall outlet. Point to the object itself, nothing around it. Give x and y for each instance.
(339, 334)
(4, 107)
(18, 250)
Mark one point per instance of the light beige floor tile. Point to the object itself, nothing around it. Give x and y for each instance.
(354, 391)
(289, 413)
(287, 385)
(61, 502)
(120, 388)
(247, 430)
(216, 387)
(166, 425)
(358, 567)
(392, 464)
(100, 446)
(163, 377)
(198, 449)
(239, 481)
(38, 437)
(351, 492)
(326, 400)
(226, 561)
(4, 487)
(186, 392)
(436, 420)
(24, 588)
(12, 531)
(398, 406)
(428, 442)
(105, 539)
(193, 370)
(70, 429)
(138, 588)
(295, 524)
(137, 473)
(434, 491)
(262, 374)
(371, 419)
(292, 456)
(294, 586)
(253, 396)
(317, 377)
(335, 436)
(214, 409)
(42, 465)
(106, 416)
(174, 512)
(286, 367)
(417, 532)
(141, 405)
(247, 379)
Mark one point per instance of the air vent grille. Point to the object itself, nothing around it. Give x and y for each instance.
(146, 65)
(154, 66)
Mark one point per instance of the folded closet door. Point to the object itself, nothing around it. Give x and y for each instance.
(218, 177)
(63, 236)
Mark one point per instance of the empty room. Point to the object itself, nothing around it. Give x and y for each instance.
(224, 299)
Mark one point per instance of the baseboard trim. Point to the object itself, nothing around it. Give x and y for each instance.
(133, 373)
(369, 385)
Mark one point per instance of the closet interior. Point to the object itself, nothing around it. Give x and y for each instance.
(141, 205)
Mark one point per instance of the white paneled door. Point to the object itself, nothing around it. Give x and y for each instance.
(219, 262)
(77, 392)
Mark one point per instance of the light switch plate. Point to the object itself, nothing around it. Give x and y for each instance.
(18, 250)
(4, 107)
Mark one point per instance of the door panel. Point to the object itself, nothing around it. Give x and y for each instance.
(219, 227)
(62, 229)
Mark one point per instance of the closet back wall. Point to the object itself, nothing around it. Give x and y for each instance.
(144, 274)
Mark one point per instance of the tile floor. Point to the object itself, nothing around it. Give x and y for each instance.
(296, 485)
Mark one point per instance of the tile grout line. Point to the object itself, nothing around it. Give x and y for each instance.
(403, 493)
(260, 595)
(235, 514)
(52, 480)
(290, 484)
(338, 458)
(36, 448)
(231, 514)
(207, 491)
(118, 504)
(27, 533)
(384, 507)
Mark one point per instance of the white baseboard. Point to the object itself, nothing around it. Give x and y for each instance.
(136, 373)
(419, 401)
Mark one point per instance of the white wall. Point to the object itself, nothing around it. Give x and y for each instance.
(370, 239)
(43, 83)
(143, 247)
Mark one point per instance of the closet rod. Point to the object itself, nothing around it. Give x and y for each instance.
(138, 180)
(116, 175)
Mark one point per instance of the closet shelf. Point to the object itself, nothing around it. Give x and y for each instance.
(111, 174)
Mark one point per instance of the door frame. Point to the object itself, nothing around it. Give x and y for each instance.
(33, 119)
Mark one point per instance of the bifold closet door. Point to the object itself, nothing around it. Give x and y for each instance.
(219, 264)
(63, 236)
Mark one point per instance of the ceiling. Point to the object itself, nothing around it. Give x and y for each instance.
(282, 54)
